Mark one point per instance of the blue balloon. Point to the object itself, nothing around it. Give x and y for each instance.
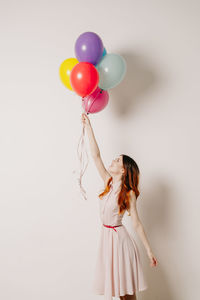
(112, 69)
(104, 52)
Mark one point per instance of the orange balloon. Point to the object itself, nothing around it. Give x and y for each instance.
(84, 78)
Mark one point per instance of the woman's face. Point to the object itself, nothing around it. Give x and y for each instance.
(117, 165)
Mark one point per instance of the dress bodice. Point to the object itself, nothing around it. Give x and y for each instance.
(109, 206)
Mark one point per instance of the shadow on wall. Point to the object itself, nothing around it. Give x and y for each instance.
(158, 225)
(141, 78)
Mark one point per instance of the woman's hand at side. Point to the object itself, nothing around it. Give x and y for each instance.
(153, 260)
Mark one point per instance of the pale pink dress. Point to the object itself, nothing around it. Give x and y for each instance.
(118, 269)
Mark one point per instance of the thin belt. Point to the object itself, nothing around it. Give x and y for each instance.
(112, 226)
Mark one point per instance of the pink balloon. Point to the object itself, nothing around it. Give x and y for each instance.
(96, 101)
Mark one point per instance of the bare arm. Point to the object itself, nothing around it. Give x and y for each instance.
(92, 140)
(95, 152)
(137, 224)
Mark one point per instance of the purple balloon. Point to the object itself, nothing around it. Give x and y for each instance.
(89, 48)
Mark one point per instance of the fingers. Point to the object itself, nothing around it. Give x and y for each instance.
(85, 114)
(153, 262)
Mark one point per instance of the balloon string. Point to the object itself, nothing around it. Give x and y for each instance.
(81, 150)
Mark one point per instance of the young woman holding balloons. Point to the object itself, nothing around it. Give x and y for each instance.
(118, 271)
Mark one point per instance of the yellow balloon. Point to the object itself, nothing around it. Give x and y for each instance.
(65, 70)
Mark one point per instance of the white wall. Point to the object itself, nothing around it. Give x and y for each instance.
(48, 233)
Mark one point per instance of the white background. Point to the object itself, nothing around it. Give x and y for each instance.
(48, 233)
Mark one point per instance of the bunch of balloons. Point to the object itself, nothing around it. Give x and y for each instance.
(90, 75)
(92, 72)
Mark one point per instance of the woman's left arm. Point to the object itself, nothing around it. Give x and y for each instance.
(137, 224)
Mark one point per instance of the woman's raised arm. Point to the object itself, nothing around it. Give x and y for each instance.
(95, 152)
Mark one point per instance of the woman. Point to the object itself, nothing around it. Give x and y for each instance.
(118, 271)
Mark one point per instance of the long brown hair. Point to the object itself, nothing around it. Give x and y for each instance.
(130, 181)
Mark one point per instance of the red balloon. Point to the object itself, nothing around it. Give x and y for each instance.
(84, 78)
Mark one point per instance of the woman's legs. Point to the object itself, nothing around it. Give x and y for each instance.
(128, 297)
